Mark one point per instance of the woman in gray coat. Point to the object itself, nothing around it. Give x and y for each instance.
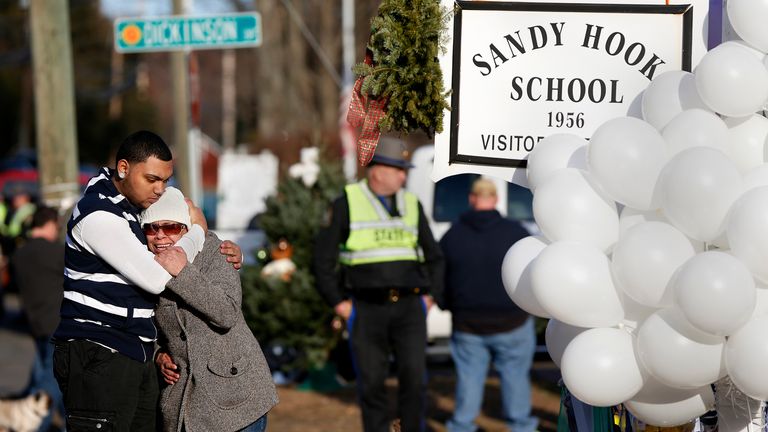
(216, 375)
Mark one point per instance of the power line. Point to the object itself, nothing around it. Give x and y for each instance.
(294, 14)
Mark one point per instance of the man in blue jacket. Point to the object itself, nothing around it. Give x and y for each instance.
(487, 325)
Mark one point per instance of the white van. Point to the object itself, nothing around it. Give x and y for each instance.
(443, 202)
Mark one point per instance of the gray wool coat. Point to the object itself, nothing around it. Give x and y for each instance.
(225, 383)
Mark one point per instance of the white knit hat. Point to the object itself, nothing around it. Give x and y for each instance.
(171, 206)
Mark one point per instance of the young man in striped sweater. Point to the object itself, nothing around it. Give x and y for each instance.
(105, 341)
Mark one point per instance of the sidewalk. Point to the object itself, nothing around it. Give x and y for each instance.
(302, 411)
(17, 350)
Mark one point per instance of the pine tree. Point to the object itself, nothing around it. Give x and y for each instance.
(291, 313)
(406, 38)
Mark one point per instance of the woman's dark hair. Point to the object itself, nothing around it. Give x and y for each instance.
(140, 146)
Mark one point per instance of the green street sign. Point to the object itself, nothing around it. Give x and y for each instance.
(180, 32)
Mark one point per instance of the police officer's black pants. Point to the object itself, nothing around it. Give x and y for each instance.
(105, 391)
(378, 328)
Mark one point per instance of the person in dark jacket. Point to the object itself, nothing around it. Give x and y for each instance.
(390, 264)
(487, 325)
(37, 269)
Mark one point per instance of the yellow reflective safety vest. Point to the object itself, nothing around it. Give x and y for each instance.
(22, 215)
(374, 235)
(3, 215)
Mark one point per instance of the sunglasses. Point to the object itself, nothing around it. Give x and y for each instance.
(168, 229)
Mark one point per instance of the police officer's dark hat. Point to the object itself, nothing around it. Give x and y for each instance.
(391, 151)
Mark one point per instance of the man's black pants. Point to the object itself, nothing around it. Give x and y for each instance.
(105, 391)
(376, 327)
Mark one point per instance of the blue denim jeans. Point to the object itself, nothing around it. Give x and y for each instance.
(259, 425)
(43, 379)
(512, 355)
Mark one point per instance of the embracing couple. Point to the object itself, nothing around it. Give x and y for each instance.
(139, 254)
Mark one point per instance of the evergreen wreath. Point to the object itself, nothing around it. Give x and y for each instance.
(406, 38)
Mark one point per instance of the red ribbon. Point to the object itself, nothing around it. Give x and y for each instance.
(366, 112)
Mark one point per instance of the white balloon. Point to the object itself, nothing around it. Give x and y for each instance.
(660, 405)
(748, 232)
(748, 18)
(731, 81)
(744, 45)
(557, 151)
(721, 242)
(746, 354)
(600, 368)
(761, 302)
(698, 186)
(716, 293)
(756, 177)
(626, 156)
(572, 281)
(557, 337)
(570, 205)
(695, 128)
(669, 94)
(634, 313)
(516, 273)
(746, 141)
(646, 257)
(634, 217)
(677, 354)
(630, 217)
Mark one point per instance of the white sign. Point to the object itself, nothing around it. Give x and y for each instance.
(245, 182)
(522, 71)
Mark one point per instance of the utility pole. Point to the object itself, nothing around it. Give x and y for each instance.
(228, 100)
(349, 146)
(181, 121)
(194, 146)
(54, 102)
(348, 41)
(116, 79)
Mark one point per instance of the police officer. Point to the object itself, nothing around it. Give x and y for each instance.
(390, 267)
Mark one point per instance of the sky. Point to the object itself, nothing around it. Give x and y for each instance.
(122, 8)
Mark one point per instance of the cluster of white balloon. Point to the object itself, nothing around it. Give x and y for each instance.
(653, 264)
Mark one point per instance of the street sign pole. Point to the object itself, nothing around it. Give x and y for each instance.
(180, 83)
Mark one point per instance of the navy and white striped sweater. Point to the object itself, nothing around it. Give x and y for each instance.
(100, 305)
